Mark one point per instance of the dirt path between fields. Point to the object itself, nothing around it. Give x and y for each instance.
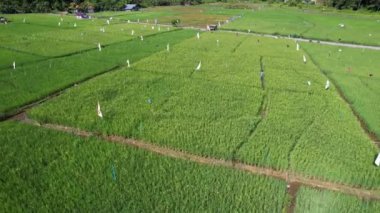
(293, 179)
(268, 35)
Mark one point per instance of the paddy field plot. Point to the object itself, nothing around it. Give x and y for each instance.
(309, 23)
(313, 200)
(47, 38)
(357, 73)
(32, 81)
(222, 110)
(44, 170)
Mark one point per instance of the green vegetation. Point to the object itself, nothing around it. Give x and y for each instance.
(32, 81)
(312, 200)
(44, 170)
(203, 96)
(198, 16)
(309, 23)
(221, 110)
(356, 72)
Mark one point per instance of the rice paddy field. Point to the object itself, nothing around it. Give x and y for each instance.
(124, 112)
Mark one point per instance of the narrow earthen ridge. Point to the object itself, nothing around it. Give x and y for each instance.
(289, 177)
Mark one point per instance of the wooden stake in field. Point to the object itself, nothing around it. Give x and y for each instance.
(128, 65)
(14, 65)
(100, 114)
(304, 59)
(168, 48)
(198, 36)
(327, 86)
(99, 47)
(199, 66)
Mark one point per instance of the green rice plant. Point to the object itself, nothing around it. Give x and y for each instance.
(221, 110)
(356, 72)
(10, 56)
(34, 81)
(314, 200)
(310, 23)
(45, 170)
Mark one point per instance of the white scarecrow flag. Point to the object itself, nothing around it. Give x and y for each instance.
(99, 47)
(159, 28)
(249, 30)
(128, 65)
(198, 36)
(377, 161)
(100, 114)
(138, 20)
(327, 86)
(217, 42)
(14, 65)
(219, 25)
(309, 83)
(341, 25)
(298, 46)
(168, 48)
(199, 66)
(304, 59)
(23, 21)
(142, 38)
(61, 19)
(132, 32)
(129, 21)
(59, 24)
(108, 22)
(75, 24)
(208, 28)
(152, 27)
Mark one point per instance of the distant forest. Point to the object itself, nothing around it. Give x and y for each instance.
(30, 6)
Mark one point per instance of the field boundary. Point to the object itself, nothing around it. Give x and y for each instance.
(309, 40)
(289, 177)
(278, 36)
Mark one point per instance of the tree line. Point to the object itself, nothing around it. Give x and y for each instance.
(43, 6)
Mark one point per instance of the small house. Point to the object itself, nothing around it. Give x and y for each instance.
(131, 7)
